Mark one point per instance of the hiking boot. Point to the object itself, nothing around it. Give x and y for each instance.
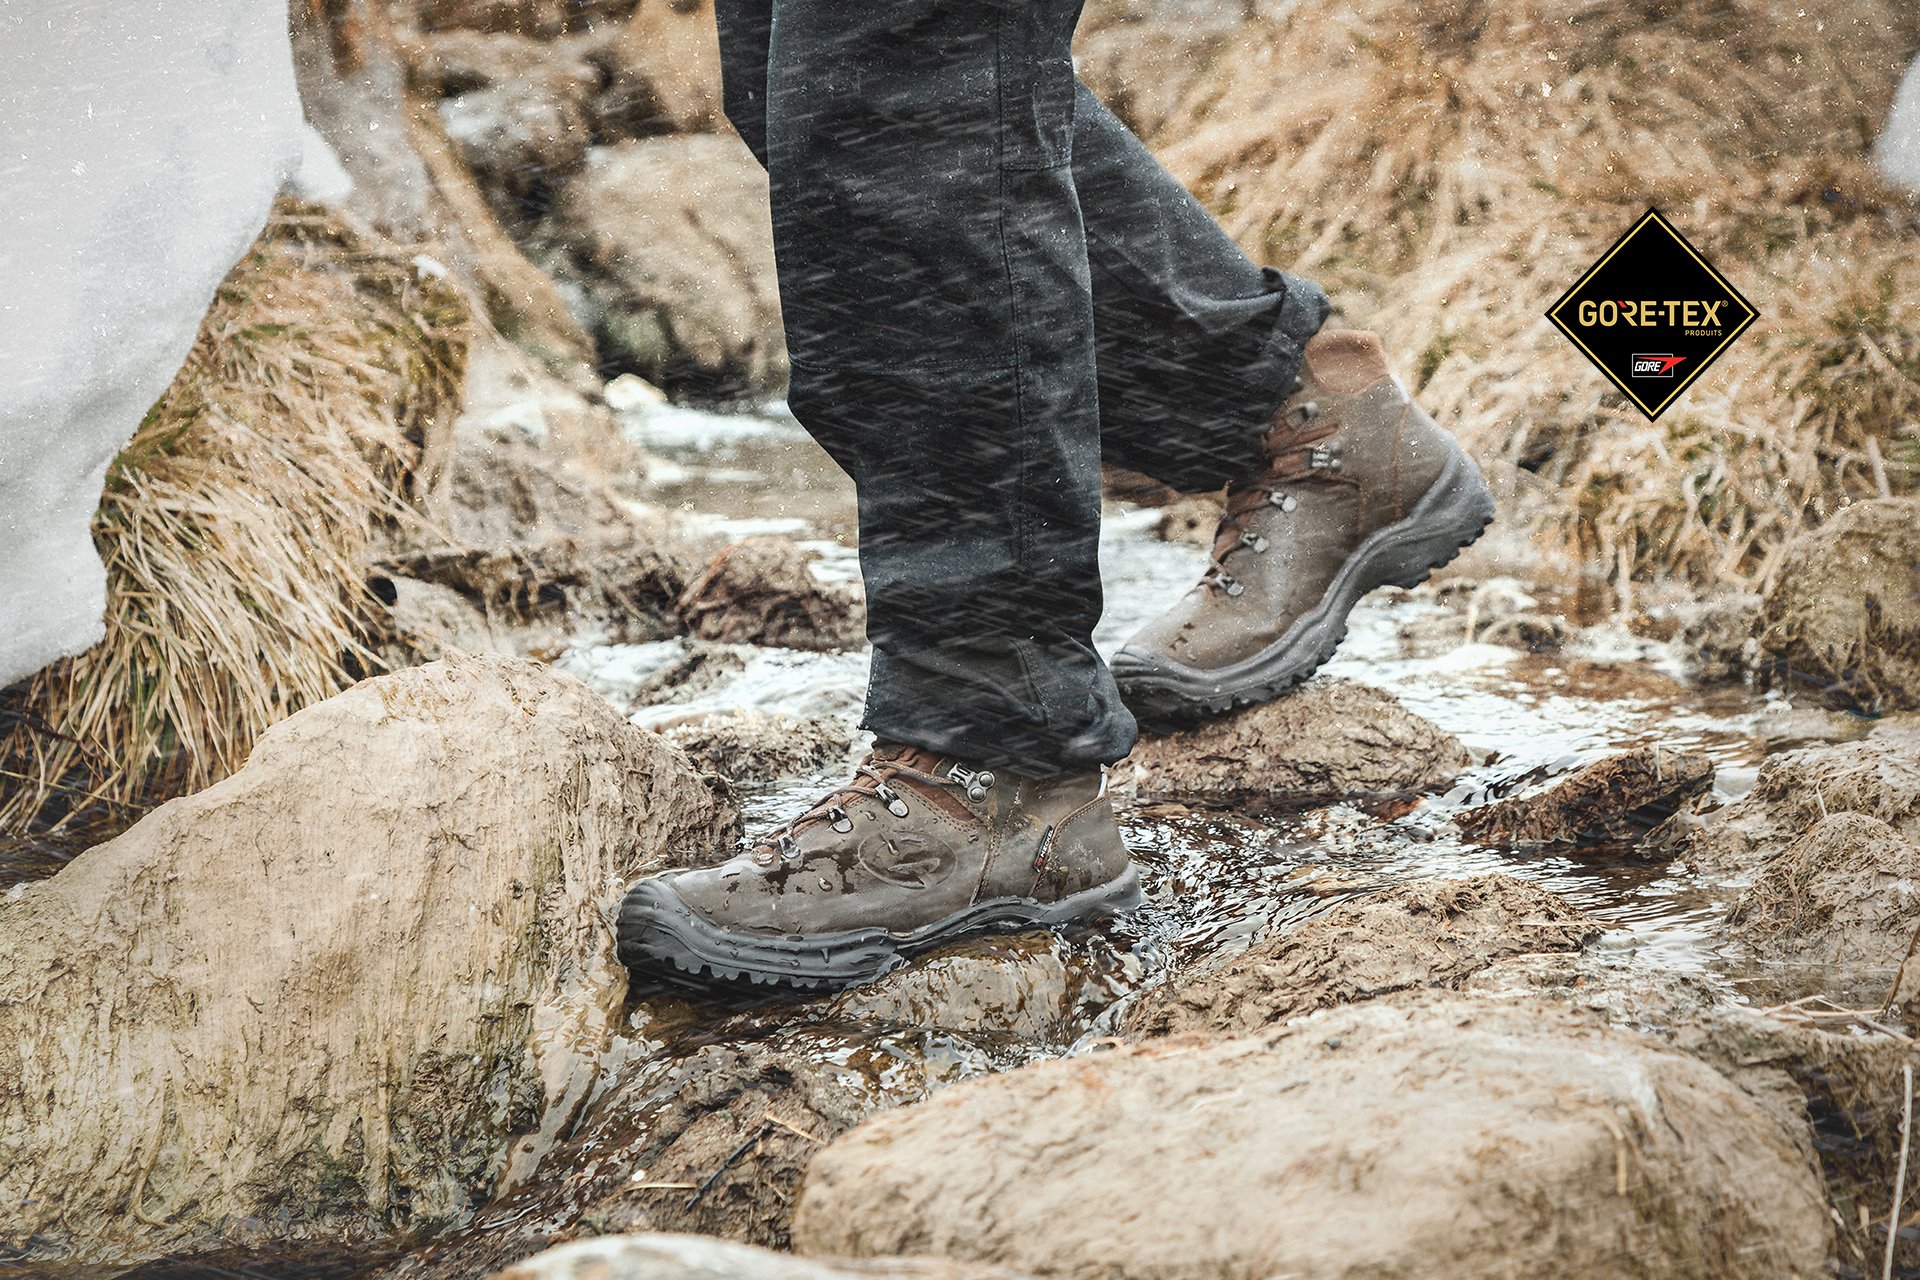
(915, 850)
(1360, 489)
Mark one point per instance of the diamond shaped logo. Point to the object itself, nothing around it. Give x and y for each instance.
(1652, 314)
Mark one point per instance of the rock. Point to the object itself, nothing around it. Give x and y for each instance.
(1613, 798)
(523, 137)
(1416, 1136)
(1878, 776)
(761, 591)
(428, 621)
(323, 997)
(1329, 740)
(661, 1256)
(1841, 615)
(534, 527)
(1847, 893)
(1715, 638)
(666, 245)
(756, 746)
(1430, 934)
(713, 1121)
(663, 71)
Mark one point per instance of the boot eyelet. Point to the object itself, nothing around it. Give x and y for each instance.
(891, 798)
(840, 821)
(1232, 586)
(1253, 541)
(1284, 501)
(789, 849)
(976, 781)
(1311, 409)
(1324, 457)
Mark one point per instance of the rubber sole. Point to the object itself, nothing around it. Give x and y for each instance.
(663, 938)
(1449, 518)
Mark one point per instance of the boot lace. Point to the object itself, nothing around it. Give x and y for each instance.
(872, 779)
(1296, 455)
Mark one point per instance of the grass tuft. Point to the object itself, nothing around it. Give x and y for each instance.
(237, 526)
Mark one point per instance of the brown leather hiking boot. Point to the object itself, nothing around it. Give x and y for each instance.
(1360, 489)
(915, 850)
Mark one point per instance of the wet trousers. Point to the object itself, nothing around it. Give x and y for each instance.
(989, 286)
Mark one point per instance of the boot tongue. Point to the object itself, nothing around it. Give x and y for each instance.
(912, 757)
(925, 761)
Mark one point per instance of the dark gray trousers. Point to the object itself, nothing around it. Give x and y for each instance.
(989, 285)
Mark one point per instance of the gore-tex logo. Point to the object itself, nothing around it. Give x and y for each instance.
(1652, 290)
(1655, 366)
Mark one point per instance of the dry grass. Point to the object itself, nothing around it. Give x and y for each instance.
(237, 526)
(1448, 167)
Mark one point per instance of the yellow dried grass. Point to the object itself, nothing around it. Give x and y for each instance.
(238, 524)
(1446, 168)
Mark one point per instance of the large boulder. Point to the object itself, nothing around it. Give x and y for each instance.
(1330, 740)
(665, 1256)
(1613, 798)
(1431, 934)
(1842, 610)
(1877, 776)
(1417, 1136)
(347, 990)
(665, 244)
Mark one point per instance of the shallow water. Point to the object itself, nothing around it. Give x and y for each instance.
(1217, 881)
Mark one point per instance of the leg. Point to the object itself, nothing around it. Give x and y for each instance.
(935, 285)
(1196, 345)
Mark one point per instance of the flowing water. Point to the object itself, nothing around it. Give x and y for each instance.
(1216, 881)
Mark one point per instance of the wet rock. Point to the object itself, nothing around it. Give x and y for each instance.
(1878, 776)
(679, 1257)
(1847, 893)
(1410, 1136)
(1031, 987)
(1841, 617)
(343, 983)
(1613, 798)
(1329, 740)
(762, 591)
(1715, 638)
(759, 746)
(533, 527)
(1431, 934)
(665, 245)
(711, 1130)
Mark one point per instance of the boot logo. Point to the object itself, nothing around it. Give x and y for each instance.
(904, 858)
(1652, 314)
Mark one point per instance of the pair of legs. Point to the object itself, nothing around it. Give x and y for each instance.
(989, 285)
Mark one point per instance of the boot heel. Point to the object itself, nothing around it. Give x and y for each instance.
(1445, 522)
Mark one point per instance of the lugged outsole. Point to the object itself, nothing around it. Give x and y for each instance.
(1153, 694)
(660, 937)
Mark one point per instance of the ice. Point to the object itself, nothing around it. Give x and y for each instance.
(1898, 151)
(143, 147)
